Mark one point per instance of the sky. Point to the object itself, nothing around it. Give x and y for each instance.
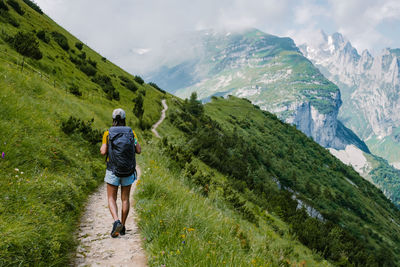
(131, 32)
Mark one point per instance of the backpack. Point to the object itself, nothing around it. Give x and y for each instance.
(121, 151)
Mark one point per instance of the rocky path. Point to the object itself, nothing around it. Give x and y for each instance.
(96, 247)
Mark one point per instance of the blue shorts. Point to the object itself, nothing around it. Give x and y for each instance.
(112, 179)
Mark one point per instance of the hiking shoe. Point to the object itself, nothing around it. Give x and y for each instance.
(122, 232)
(117, 227)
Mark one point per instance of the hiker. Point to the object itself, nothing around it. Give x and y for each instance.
(120, 145)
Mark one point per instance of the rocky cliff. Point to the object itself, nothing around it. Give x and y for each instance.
(370, 87)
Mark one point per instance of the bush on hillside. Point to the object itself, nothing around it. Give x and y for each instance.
(3, 6)
(27, 45)
(79, 45)
(8, 18)
(106, 84)
(43, 36)
(104, 59)
(89, 70)
(138, 79)
(34, 6)
(157, 87)
(15, 5)
(128, 83)
(92, 62)
(85, 129)
(61, 40)
(82, 55)
(83, 65)
(74, 89)
(138, 109)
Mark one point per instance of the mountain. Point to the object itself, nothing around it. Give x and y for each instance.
(369, 86)
(271, 72)
(274, 198)
(268, 70)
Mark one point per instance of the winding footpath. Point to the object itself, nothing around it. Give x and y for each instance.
(96, 247)
(154, 127)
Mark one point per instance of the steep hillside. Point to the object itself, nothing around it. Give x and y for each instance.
(268, 70)
(50, 160)
(273, 198)
(369, 86)
(276, 168)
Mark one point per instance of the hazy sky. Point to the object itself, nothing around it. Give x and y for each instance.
(125, 31)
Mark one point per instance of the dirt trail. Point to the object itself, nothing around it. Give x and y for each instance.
(96, 247)
(154, 128)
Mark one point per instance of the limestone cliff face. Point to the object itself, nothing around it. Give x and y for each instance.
(370, 86)
(321, 127)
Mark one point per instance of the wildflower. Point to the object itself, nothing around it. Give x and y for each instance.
(190, 229)
(22, 172)
(183, 242)
(16, 169)
(3, 155)
(16, 176)
(178, 252)
(144, 239)
(183, 236)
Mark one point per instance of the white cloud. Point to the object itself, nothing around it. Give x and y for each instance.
(118, 29)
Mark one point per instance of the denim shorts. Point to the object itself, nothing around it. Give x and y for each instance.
(112, 179)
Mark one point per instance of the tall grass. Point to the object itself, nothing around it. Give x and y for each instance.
(181, 227)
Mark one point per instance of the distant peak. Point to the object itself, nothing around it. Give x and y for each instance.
(336, 39)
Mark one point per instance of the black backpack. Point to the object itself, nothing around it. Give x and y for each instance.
(121, 151)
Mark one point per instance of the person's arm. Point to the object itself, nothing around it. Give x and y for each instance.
(138, 148)
(103, 149)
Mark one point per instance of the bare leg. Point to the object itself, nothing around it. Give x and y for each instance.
(112, 191)
(125, 192)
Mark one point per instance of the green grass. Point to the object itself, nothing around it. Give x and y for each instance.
(180, 227)
(46, 175)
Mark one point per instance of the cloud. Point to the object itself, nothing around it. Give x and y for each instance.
(122, 29)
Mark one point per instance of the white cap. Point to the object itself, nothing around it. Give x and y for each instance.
(118, 112)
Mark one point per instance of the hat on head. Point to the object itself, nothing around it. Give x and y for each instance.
(118, 112)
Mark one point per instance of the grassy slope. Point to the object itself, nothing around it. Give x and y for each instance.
(205, 231)
(40, 207)
(46, 175)
(317, 177)
(363, 205)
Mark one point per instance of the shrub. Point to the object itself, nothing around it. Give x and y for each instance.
(129, 84)
(3, 6)
(75, 125)
(73, 89)
(157, 87)
(27, 45)
(138, 110)
(79, 45)
(82, 55)
(42, 36)
(34, 6)
(14, 4)
(92, 62)
(106, 84)
(89, 70)
(8, 18)
(138, 79)
(61, 40)
(104, 59)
